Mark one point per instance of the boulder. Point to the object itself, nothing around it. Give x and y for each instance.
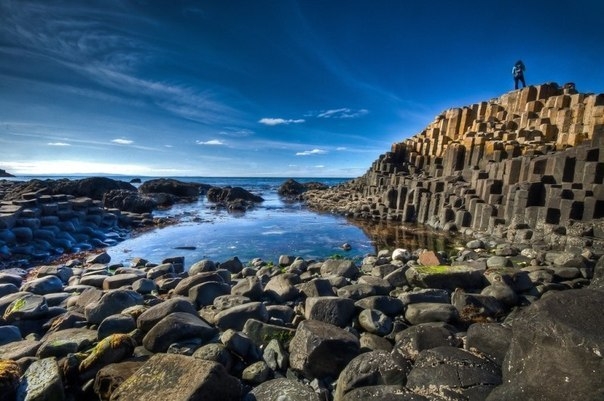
(231, 194)
(43, 285)
(112, 349)
(41, 381)
(281, 288)
(154, 314)
(415, 339)
(333, 310)
(177, 326)
(129, 201)
(454, 374)
(431, 312)
(114, 324)
(282, 389)
(340, 267)
(445, 277)
(63, 342)
(205, 293)
(557, 340)
(10, 373)
(370, 369)
(173, 187)
(179, 378)
(25, 306)
(109, 378)
(321, 350)
(111, 303)
(490, 339)
(236, 316)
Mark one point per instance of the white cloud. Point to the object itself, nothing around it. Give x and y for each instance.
(169, 146)
(320, 166)
(58, 144)
(344, 112)
(279, 121)
(121, 141)
(311, 152)
(210, 142)
(341, 148)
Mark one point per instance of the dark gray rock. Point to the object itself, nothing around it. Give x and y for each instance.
(177, 377)
(154, 314)
(431, 312)
(281, 390)
(340, 267)
(63, 342)
(177, 326)
(41, 381)
(333, 310)
(432, 295)
(43, 285)
(454, 373)
(383, 393)
(204, 265)
(446, 277)
(410, 342)
(111, 303)
(490, 339)
(282, 288)
(9, 334)
(205, 293)
(116, 324)
(389, 305)
(321, 350)
(370, 369)
(375, 322)
(185, 285)
(250, 287)
(557, 340)
(24, 306)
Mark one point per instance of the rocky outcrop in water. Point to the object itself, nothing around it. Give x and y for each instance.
(4, 173)
(527, 166)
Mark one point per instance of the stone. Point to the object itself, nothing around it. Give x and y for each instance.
(339, 267)
(281, 288)
(241, 345)
(115, 324)
(102, 258)
(453, 372)
(370, 369)
(43, 285)
(25, 306)
(41, 381)
(179, 378)
(8, 288)
(262, 333)
(420, 295)
(431, 312)
(333, 310)
(112, 349)
(175, 327)
(415, 339)
(63, 342)
(250, 287)
(19, 349)
(109, 377)
(185, 285)
(382, 392)
(233, 265)
(429, 258)
(275, 355)
(10, 373)
(557, 340)
(489, 339)
(8, 334)
(205, 293)
(204, 265)
(111, 303)
(256, 373)
(375, 322)
(144, 286)
(388, 305)
(445, 277)
(215, 352)
(120, 280)
(235, 317)
(154, 314)
(281, 390)
(373, 342)
(320, 350)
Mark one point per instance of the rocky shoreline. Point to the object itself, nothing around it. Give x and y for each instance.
(494, 321)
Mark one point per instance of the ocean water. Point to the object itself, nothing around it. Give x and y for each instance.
(274, 227)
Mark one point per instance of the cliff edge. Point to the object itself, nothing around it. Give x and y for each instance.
(526, 167)
(3, 173)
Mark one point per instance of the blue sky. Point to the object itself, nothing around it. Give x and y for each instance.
(264, 87)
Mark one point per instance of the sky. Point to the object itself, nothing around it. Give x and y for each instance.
(279, 88)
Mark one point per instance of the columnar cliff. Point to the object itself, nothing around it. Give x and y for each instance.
(527, 166)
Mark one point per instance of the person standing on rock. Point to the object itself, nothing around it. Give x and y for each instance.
(518, 73)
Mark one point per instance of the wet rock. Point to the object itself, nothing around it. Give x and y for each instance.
(205, 293)
(320, 350)
(370, 369)
(8, 334)
(454, 373)
(204, 265)
(282, 389)
(177, 326)
(41, 381)
(250, 287)
(179, 378)
(262, 333)
(282, 288)
(385, 304)
(19, 349)
(185, 285)
(8, 288)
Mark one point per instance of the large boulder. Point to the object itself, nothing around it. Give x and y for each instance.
(282, 389)
(129, 201)
(178, 326)
(93, 187)
(230, 194)
(173, 187)
(179, 378)
(322, 350)
(558, 340)
(446, 277)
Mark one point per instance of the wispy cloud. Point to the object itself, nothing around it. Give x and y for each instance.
(121, 141)
(319, 166)
(344, 112)
(58, 144)
(279, 121)
(311, 152)
(236, 132)
(341, 148)
(212, 142)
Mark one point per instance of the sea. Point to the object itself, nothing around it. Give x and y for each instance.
(273, 228)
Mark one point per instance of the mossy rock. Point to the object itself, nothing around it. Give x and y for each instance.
(10, 374)
(446, 277)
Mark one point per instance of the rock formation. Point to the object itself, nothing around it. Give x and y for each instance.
(527, 166)
(4, 173)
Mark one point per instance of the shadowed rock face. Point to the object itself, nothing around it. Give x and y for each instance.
(93, 187)
(528, 165)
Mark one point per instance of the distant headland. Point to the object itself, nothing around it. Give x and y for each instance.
(3, 173)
